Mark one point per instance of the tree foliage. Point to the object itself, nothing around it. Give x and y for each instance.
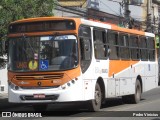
(11, 10)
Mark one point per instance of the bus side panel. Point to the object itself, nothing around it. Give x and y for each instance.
(147, 72)
(89, 81)
(97, 70)
(151, 73)
(121, 73)
(126, 82)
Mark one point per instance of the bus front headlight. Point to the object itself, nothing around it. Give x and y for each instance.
(69, 84)
(13, 86)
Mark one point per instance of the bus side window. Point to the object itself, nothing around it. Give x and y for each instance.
(113, 44)
(151, 48)
(134, 47)
(85, 47)
(100, 47)
(143, 48)
(124, 46)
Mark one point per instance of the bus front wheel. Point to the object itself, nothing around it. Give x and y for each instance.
(95, 104)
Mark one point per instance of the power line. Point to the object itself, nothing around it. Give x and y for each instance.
(84, 13)
(109, 7)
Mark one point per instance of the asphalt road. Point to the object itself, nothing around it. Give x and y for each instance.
(148, 108)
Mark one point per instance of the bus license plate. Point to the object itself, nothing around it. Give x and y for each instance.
(39, 96)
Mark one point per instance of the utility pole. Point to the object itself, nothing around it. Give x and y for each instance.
(127, 12)
(149, 17)
(126, 9)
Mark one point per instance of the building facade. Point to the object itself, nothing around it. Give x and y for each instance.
(143, 11)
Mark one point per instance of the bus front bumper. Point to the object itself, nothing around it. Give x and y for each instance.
(74, 93)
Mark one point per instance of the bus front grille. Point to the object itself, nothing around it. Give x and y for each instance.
(39, 77)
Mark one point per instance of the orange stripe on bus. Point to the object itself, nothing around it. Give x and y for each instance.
(116, 66)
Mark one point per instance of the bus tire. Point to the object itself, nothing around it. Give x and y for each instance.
(135, 98)
(39, 107)
(95, 104)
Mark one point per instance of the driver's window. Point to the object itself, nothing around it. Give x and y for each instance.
(85, 47)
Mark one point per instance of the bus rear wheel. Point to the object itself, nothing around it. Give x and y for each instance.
(135, 98)
(95, 104)
(138, 91)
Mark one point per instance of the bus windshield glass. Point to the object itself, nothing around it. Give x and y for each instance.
(44, 53)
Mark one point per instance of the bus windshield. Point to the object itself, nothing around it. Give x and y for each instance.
(45, 53)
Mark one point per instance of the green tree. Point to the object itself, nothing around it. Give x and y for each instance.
(11, 10)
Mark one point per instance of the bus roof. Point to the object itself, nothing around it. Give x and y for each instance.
(115, 27)
(43, 19)
(94, 23)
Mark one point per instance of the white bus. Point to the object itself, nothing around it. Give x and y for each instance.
(57, 59)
